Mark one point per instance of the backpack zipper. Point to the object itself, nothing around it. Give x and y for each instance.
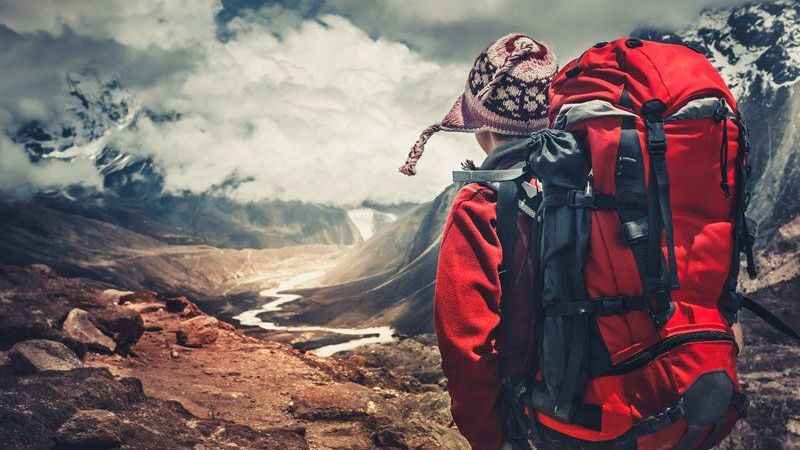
(649, 354)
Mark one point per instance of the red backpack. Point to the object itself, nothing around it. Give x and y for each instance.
(641, 222)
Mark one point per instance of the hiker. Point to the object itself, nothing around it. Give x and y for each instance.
(505, 99)
(586, 293)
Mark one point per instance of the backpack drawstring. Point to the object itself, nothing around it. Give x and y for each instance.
(722, 115)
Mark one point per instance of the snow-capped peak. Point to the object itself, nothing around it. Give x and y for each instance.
(754, 46)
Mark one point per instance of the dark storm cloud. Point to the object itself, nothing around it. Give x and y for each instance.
(35, 65)
(334, 89)
(457, 30)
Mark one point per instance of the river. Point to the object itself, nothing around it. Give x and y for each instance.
(251, 317)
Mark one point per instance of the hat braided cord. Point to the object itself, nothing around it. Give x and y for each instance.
(410, 167)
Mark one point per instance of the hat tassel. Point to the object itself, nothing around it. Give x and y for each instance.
(410, 167)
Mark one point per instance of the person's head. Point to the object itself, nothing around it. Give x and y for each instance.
(490, 140)
(505, 96)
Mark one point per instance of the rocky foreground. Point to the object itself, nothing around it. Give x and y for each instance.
(85, 366)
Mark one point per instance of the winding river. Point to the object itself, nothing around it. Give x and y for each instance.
(251, 317)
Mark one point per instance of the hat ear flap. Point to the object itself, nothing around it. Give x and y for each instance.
(410, 167)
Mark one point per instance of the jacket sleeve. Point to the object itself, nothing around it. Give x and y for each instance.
(466, 313)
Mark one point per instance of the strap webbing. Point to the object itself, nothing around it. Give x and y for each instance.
(628, 441)
(488, 176)
(515, 426)
(657, 148)
(769, 317)
(579, 199)
(607, 306)
(639, 219)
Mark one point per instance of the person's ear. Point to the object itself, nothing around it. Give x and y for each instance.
(485, 140)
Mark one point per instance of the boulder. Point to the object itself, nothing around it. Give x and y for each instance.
(182, 306)
(40, 355)
(124, 325)
(79, 326)
(343, 401)
(198, 331)
(112, 296)
(145, 308)
(139, 297)
(90, 429)
(176, 305)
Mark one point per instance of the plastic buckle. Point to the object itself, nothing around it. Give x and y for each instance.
(661, 307)
(572, 198)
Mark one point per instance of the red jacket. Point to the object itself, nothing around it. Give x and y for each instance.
(466, 311)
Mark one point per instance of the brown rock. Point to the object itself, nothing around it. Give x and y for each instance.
(124, 325)
(198, 331)
(39, 355)
(177, 304)
(182, 306)
(332, 402)
(145, 308)
(110, 296)
(42, 269)
(139, 297)
(94, 428)
(79, 326)
(226, 326)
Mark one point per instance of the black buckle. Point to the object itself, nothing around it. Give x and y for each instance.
(656, 139)
(580, 199)
(661, 307)
(721, 111)
(572, 198)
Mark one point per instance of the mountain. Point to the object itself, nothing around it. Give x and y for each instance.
(96, 108)
(134, 197)
(757, 50)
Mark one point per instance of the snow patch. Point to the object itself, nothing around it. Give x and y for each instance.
(368, 220)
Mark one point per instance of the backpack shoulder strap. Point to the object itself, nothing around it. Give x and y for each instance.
(507, 209)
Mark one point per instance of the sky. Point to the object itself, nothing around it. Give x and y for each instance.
(317, 100)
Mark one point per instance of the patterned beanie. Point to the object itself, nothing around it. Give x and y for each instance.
(506, 93)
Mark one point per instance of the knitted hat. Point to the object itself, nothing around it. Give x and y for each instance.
(506, 93)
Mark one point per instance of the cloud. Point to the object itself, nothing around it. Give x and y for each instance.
(310, 99)
(35, 65)
(454, 29)
(140, 24)
(21, 178)
(322, 112)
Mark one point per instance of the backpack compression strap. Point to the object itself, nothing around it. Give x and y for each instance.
(515, 428)
(769, 317)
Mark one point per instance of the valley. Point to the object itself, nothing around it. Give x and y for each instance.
(215, 321)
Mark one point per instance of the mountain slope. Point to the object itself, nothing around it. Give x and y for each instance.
(393, 277)
(34, 232)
